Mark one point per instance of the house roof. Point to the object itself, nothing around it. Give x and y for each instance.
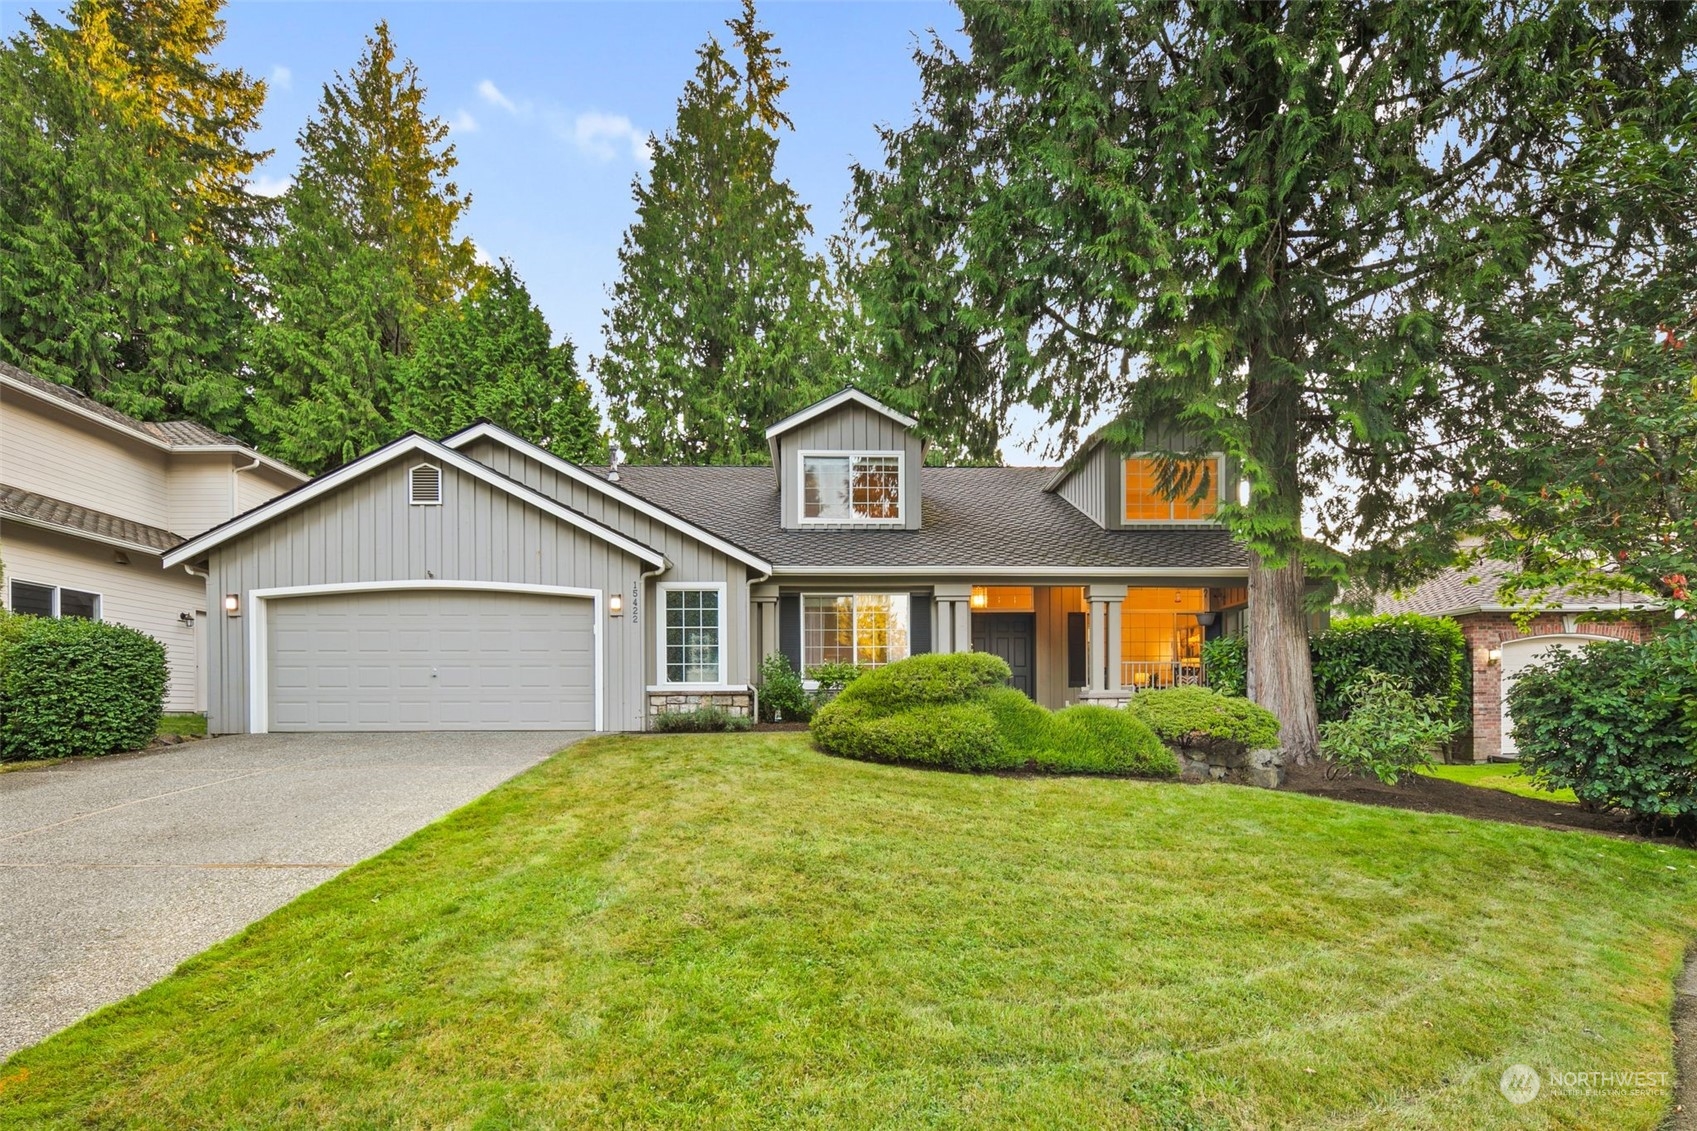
(1474, 588)
(174, 435)
(18, 505)
(840, 397)
(977, 520)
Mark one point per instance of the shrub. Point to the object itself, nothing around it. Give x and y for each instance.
(781, 694)
(1617, 724)
(833, 677)
(75, 686)
(700, 720)
(1206, 719)
(1225, 659)
(1090, 739)
(940, 677)
(1389, 729)
(957, 736)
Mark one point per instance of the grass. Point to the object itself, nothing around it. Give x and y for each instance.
(1505, 776)
(189, 726)
(733, 930)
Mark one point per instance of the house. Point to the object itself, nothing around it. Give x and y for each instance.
(90, 502)
(481, 582)
(1499, 647)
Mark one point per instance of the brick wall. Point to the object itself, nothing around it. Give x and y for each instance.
(1487, 631)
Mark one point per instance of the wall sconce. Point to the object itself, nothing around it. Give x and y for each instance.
(233, 604)
(980, 598)
(1494, 656)
(186, 619)
(615, 604)
(1243, 492)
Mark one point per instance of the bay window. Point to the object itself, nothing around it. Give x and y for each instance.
(851, 487)
(866, 629)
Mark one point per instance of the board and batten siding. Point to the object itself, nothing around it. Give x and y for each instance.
(691, 560)
(1087, 488)
(367, 531)
(850, 427)
(1096, 487)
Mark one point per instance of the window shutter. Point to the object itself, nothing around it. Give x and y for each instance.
(425, 484)
(789, 627)
(919, 624)
(1078, 655)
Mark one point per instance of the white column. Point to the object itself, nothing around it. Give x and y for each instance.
(1116, 670)
(1098, 640)
(954, 617)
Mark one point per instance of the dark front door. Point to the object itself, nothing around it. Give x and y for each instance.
(1013, 637)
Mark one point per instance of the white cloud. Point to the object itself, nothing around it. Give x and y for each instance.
(465, 123)
(281, 77)
(492, 95)
(602, 136)
(266, 185)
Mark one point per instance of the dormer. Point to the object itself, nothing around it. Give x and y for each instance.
(1121, 491)
(848, 463)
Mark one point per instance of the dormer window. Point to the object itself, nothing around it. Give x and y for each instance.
(1146, 502)
(851, 487)
(424, 485)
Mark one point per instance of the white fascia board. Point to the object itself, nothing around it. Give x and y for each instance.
(407, 444)
(956, 571)
(635, 502)
(87, 535)
(841, 397)
(265, 461)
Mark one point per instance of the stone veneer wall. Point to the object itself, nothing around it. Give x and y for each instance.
(1485, 631)
(730, 702)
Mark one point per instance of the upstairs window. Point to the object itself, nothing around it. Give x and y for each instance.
(1146, 502)
(851, 487)
(424, 485)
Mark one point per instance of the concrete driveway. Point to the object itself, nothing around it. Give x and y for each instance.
(113, 871)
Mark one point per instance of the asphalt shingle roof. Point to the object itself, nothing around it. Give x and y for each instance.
(175, 432)
(29, 506)
(1470, 588)
(973, 517)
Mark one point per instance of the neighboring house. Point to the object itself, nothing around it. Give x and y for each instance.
(91, 500)
(483, 583)
(1499, 647)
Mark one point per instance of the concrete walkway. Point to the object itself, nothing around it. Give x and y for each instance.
(113, 871)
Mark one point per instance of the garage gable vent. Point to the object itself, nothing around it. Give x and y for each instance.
(424, 485)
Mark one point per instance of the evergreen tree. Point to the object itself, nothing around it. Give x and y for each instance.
(365, 251)
(122, 214)
(490, 356)
(1297, 228)
(717, 326)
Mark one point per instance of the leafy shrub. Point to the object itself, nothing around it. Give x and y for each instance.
(957, 736)
(701, 720)
(833, 677)
(75, 686)
(1428, 652)
(1091, 739)
(1617, 724)
(1389, 729)
(782, 697)
(938, 677)
(1206, 719)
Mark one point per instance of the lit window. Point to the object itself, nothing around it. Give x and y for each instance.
(692, 626)
(851, 488)
(1146, 502)
(867, 629)
(35, 600)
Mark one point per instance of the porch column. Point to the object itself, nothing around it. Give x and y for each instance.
(1105, 620)
(1097, 683)
(1116, 638)
(954, 618)
(765, 634)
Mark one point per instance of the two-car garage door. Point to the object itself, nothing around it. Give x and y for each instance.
(430, 659)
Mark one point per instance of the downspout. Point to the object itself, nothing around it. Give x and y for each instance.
(233, 473)
(642, 590)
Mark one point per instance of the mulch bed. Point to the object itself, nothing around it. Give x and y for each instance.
(1435, 795)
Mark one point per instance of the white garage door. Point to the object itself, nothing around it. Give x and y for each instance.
(1516, 654)
(431, 660)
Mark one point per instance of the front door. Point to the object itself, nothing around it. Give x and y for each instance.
(1013, 637)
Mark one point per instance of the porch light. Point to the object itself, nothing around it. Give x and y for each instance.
(980, 597)
(1243, 492)
(233, 604)
(616, 604)
(1494, 656)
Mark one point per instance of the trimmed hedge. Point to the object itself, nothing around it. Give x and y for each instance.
(1428, 652)
(1206, 719)
(956, 711)
(702, 720)
(74, 686)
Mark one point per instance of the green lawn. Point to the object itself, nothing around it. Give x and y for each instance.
(1505, 776)
(186, 725)
(714, 930)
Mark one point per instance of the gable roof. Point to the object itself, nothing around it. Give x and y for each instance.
(1461, 590)
(170, 435)
(408, 444)
(598, 481)
(31, 509)
(840, 397)
(977, 521)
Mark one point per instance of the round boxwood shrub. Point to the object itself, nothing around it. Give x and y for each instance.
(75, 686)
(1205, 719)
(956, 736)
(942, 677)
(1091, 739)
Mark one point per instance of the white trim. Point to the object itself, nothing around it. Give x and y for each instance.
(588, 478)
(265, 461)
(1127, 523)
(660, 591)
(841, 397)
(850, 454)
(412, 485)
(258, 630)
(923, 572)
(87, 535)
(282, 504)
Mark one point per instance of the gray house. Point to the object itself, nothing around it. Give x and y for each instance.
(481, 582)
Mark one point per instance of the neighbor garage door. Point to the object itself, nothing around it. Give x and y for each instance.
(431, 660)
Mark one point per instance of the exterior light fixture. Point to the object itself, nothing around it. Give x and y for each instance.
(1243, 492)
(186, 619)
(233, 604)
(616, 604)
(1494, 656)
(980, 597)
